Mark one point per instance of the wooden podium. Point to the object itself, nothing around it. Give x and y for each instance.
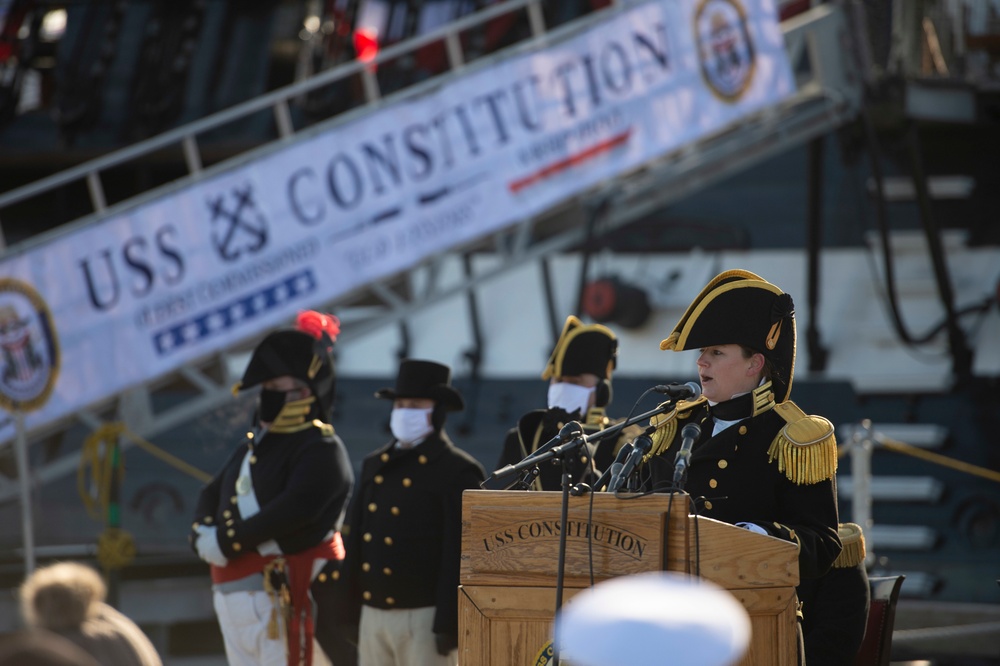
(510, 553)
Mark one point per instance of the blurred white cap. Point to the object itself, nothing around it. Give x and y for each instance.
(650, 619)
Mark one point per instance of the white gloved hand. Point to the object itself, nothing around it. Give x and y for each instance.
(753, 527)
(208, 546)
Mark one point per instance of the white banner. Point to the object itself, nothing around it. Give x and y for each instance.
(136, 295)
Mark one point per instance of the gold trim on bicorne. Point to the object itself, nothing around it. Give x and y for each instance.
(571, 329)
(853, 539)
(666, 425)
(806, 448)
(314, 366)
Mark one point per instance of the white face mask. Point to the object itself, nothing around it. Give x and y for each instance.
(570, 397)
(410, 426)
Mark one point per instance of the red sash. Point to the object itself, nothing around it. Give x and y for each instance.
(299, 570)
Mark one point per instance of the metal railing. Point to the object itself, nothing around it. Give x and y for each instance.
(278, 103)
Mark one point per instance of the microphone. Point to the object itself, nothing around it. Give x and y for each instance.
(688, 390)
(616, 467)
(642, 445)
(689, 433)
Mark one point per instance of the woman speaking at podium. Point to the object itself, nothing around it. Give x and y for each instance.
(752, 458)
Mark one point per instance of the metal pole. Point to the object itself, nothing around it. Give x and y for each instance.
(24, 475)
(861, 500)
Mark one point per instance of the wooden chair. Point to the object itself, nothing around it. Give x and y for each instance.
(876, 648)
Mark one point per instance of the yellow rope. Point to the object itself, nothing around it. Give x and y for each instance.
(168, 458)
(900, 447)
(115, 546)
(94, 456)
(930, 456)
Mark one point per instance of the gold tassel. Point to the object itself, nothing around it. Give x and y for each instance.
(272, 625)
(273, 628)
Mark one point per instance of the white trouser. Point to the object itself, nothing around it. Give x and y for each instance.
(399, 637)
(243, 619)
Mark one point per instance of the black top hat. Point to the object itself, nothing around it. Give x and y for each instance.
(424, 379)
(583, 348)
(303, 355)
(739, 307)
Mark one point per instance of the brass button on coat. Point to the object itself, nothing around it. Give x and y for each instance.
(708, 505)
(378, 478)
(723, 464)
(384, 457)
(407, 482)
(743, 430)
(367, 536)
(712, 483)
(373, 507)
(422, 460)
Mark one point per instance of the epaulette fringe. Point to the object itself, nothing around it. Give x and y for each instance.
(806, 448)
(853, 553)
(666, 425)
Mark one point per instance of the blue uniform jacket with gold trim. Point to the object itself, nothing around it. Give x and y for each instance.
(736, 477)
(405, 531)
(302, 481)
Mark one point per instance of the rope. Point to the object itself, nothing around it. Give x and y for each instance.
(102, 457)
(955, 631)
(944, 461)
(168, 458)
(95, 457)
(910, 450)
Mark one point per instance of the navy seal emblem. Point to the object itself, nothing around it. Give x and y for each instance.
(725, 48)
(29, 348)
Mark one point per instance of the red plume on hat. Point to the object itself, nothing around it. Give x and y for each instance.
(317, 323)
(303, 352)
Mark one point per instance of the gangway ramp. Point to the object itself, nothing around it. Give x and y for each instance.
(606, 162)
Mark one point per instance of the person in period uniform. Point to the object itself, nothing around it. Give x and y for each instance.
(758, 461)
(271, 518)
(404, 528)
(835, 606)
(579, 373)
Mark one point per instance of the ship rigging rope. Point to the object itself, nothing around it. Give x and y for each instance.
(95, 456)
(936, 458)
(102, 457)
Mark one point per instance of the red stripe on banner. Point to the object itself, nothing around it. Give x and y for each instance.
(570, 161)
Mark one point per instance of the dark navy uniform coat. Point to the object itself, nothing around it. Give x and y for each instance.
(536, 428)
(733, 480)
(302, 481)
(405, 530)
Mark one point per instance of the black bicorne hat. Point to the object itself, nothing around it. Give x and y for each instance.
(739, 307)
(583, 348)
(424, 379)
(300, 354)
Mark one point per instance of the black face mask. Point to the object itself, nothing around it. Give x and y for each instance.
(270, 404)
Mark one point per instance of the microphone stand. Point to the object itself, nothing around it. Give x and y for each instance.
(581, 488)
(561, 559)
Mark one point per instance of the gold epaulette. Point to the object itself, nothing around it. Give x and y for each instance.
(806, 448)
(325, 428)
(666, 424)
(853, 553)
